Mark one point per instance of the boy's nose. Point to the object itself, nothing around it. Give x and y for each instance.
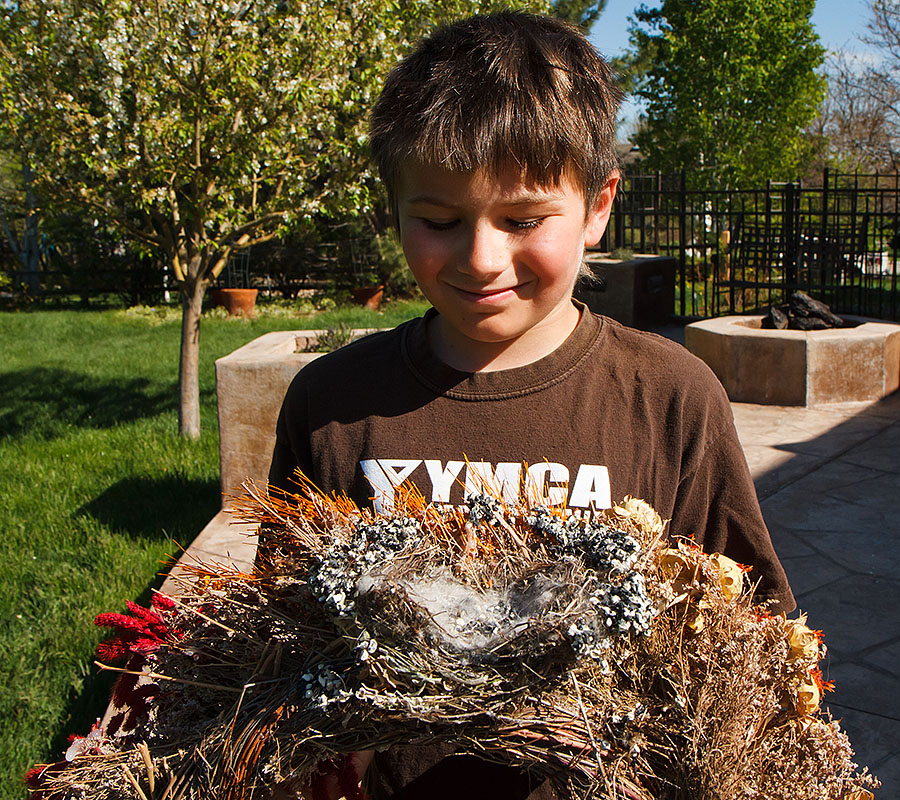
(486, 252)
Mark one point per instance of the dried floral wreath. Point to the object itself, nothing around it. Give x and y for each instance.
(590, 651)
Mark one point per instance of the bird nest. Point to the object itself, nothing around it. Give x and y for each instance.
(593, 652)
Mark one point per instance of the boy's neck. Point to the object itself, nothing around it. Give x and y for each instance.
(471, 355)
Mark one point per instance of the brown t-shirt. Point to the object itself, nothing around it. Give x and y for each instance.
(611, 412)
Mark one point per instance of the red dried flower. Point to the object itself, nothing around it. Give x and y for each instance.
(111, 650)
(111, 619)
(152, 619)
(141, 632)
(162, 602)
(34, 777)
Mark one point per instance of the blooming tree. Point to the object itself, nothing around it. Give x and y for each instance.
(200, 127)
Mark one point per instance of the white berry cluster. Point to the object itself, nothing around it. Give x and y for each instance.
(483, 508)
(625, 607)
(618, 609)
(365, 647)
(322, 686)
(603, 548)
(564, 531)
(334, 575)
(620, 725)
(587, 640)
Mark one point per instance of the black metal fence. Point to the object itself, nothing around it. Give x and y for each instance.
(120, 272)
(738, 251)
(836, 238)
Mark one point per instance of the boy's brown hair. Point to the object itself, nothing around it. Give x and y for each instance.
(500, 90)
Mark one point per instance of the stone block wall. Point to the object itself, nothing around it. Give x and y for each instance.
(250, 386)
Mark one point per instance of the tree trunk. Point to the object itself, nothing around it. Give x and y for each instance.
(30, 246)
(189, 367)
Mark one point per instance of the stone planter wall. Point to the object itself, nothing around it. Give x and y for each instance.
(250, 386)
(639, 293)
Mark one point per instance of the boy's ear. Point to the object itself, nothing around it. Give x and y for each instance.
(598, 217)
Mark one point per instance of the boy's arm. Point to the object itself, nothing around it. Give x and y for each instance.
(285, 456)
(293, 450)
(717, 505)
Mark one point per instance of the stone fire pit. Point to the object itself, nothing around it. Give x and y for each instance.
(799, 368)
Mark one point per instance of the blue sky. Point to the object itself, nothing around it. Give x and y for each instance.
(839, 23)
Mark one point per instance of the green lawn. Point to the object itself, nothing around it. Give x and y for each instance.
(96, 489)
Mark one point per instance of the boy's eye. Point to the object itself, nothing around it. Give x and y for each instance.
(525, 224)
(514, 224)
(437, 224)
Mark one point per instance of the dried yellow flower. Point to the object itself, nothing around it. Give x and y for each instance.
(680, 571)
(641, 513)
(673, 562)
(803, 641)
(677, 568)
(693, 618)
(731, 576)
(808, 695)
(858, 794)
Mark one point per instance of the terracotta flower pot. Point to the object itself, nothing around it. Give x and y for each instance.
(235, 301)
(368, 296)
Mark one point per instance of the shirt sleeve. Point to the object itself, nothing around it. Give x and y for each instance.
(717, 505)
(290, 454)
(292, 449)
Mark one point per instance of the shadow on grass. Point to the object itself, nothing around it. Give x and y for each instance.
(173, 507)
(136, 507)
(48, 401)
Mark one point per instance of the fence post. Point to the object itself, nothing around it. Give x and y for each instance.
(619, 227)
(790, 236)
(657, 202)
(682, 236)
(823, 236)
(893, 243)
(856, 286)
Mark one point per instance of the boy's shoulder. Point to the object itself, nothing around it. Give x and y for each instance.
(648, 356)
(365, 354)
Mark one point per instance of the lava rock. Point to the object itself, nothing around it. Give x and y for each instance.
(776, 319)
(808, 324)
(805, 307)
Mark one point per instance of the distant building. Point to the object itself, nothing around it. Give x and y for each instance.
(628, 154)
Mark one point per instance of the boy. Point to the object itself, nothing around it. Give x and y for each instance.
(495, 141)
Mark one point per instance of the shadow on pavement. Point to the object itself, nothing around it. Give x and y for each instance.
(831, 501)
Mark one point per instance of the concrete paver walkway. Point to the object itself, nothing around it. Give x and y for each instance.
(828, 479)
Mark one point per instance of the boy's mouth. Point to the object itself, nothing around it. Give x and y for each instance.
(486, 295)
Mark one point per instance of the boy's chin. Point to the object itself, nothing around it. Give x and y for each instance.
(503, 341)
(494, 329)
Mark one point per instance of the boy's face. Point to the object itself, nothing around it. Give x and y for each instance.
(498, 259)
